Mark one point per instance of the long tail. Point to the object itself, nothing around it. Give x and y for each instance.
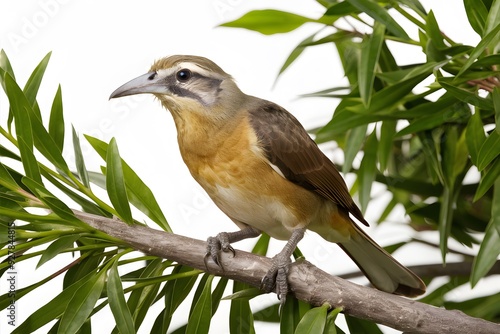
(383, 271)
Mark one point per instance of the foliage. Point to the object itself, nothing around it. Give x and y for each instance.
(419, 145)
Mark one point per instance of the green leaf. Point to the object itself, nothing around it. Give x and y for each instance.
(433, 31)
(476, 14)
(361, 326)
(385, 147)
(115, 183)
(7, 180)
(139, 193)
(61, 244)
(34, 81)
(332, 38)
(489, 176)
(370, 53)
(489, 249)
(175, 292)
(367, 170)
(82, 303)
(295, 53)
(56, 122)
(450, 140)
(240, 315)
(19, 105)
(445, 219)
(380, 14)
(313, 321)
(479, 49)
(355, 139)
(496, 105)
(29, 127)
(465, 95)
(55, 204)
(79, 161)
(343, 120)
(199, 320)
(53, 309)
(475, 136)
(117, 303)
(29, 161)
(262, 245)
(245, 294)
(385, 100)
(5, 65)
(493, 21)
(488, 151)
(289, 316)
(269, 21)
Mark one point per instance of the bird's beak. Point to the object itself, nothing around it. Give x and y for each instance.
(146, 83)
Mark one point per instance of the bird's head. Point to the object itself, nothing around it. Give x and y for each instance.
(186, 84)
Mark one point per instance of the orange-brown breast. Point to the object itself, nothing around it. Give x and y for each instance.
(231, 166)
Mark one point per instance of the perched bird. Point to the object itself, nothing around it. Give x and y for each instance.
(262, 169)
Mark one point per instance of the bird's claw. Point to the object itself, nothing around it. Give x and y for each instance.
(215, 245)
(277, 278)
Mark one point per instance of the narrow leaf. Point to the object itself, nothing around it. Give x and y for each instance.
(489, 150)
(433, 31)
(385, 147)
(493, 19)
(56, 122)
(140, 195)
(476, 14)
(295, 53)
(117, 303)
(475, 136)
(488, 178)
(79, 161)
(380, 14)
(52, 310)
(240, 315)
(199, 321)
(34, 81)
(465, 95)
(289, 316)
(445, 219)
(368, 61)
(488, 251)
(479, 49)
(82, 303)
(355, 139)
(313, 321)
(56, 205)
(115, 183)
(362, 326)
(269, 21)
(61, 244)
(367, 170)
(496, 106)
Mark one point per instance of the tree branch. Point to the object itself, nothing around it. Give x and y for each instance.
(436, 270)
(307, 282)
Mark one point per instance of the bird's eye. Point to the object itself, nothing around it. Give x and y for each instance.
(183, 75)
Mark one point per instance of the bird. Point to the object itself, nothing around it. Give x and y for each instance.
(264, 171)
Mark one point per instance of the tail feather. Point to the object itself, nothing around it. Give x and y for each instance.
(381, 269)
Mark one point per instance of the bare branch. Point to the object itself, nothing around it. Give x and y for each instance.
(436, 270)
(307, 282)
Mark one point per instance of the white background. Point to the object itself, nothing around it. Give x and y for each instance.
(99, 45)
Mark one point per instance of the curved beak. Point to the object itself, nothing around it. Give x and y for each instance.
(146, 83)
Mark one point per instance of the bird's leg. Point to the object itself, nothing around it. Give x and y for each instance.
(277, 276)
(223, 240)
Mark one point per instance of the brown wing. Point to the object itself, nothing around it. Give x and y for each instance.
(289, 147)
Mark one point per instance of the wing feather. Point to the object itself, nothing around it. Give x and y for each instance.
(289, 147)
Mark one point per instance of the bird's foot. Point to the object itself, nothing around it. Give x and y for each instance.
(217, 244)
(277, 277)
